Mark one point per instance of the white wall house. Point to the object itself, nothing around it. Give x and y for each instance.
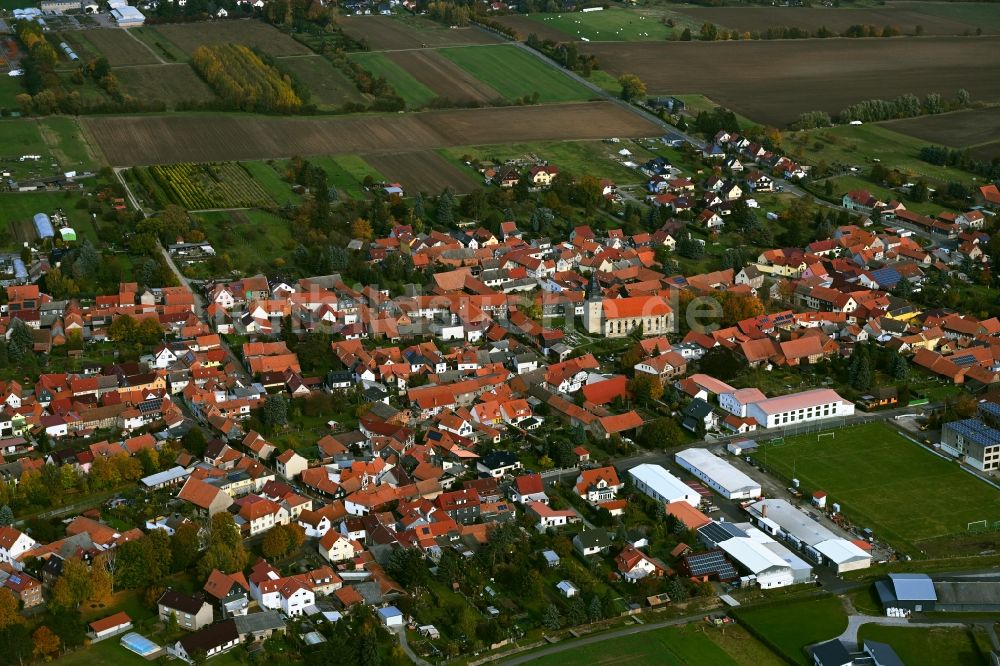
(799, 408)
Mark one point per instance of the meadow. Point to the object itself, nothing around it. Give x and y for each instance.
(416, 94)
(927, 646)
(789, 626)
(906, 494)
(496, 65)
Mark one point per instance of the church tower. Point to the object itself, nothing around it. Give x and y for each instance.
(593, 308)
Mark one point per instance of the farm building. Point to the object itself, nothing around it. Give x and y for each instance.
(127, 17)
(718, 474)
(43, 226)
(60, 6)
(967, 595)
(799, 408)
(662, 486)
(779, 517)
(909, 591)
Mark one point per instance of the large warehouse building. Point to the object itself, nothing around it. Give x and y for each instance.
(662, 486)
(768, 563)
(718, 474)
(799, 408)
(780, 518)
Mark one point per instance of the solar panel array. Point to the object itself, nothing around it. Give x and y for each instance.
(976, 431)
(712, 563)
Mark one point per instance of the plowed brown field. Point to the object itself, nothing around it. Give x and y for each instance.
(143, 140)
(385, 33)
(423, 171)
(774, 81)
(445, 78)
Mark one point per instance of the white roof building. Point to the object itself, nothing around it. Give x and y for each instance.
(127, 16)
(799, 408)
(662, 486)
(718, 474)
(780, 517)
(771, 571)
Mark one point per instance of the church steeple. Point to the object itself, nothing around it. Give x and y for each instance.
(594, 292)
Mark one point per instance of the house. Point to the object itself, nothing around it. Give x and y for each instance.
(13, 544)
(207, 499)
(598, 485)
(209, 642)
(548, 517)
(529, 488)
(290, 464)
(634, 565)
(567, 589)
(27, 589)
(831, 653)
(337, 547)
(498, 464)
(542, 175)
(591, 542)
(699, 414)
(192, 612)
(230, 592)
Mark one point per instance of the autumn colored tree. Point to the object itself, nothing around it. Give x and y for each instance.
(633, 87)
(74, 586)
(275, 543)
(646, 387)
(361, 228)
(46, 643)
(9, 611)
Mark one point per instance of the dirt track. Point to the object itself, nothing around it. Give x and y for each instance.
(445, 78)
(143, 140)
(775, 81)
(423, 171)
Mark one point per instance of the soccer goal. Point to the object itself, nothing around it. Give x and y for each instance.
(977, 526)
(831, 435)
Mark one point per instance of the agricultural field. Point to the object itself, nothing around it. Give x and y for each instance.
(268, 176)
(255, 34)
(416, 94)
(443, 77)
(905, 18)
(581, 158)
(169, 139)
(860, 145)
(392, 32)
(253, 239)
(691, 645)
(57, 139)
(778, 80)
(976, 130)
(610, 25)
(209, 186)
(173, 84)
(327, 85)
(927, 646)
(975, 14)
(20, 207)
(513, 73)
(423, 171)
(347, 173)
(114, 44)
(904, 508)
(789, 626)
(160, 45)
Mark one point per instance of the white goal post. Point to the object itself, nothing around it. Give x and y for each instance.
(821, 435)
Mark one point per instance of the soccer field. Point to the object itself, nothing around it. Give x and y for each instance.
(904, 493)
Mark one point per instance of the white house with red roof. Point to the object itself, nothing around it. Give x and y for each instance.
(13, 544)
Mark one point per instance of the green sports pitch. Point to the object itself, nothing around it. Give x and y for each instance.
(906, 494)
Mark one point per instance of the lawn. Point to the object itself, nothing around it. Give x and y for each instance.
(347, 173)
(790, 626)
(253, 239)
(581, 158)
(859, 145)
(931, 646)
(267, 176)
(610, 25)
(516, 74)
(887, 483)
(10, 88)
(693, 645)
(416, 94)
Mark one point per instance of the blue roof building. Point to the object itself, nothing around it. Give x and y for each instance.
(43, 226)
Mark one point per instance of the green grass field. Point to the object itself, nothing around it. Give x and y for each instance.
(162, 46)
(887, 483)
(416, 94)
(513, 73)
(610, 25)
(790, 626)
(20, 207)
(692, 645)
(329, 88)
(931, 646)
(347, 173)
(268, 177)
(581, 158)
(253, 239)
(859, 145)
(10, 88)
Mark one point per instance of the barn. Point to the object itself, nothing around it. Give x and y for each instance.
(908, 591)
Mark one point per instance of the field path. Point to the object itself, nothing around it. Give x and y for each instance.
(148, 48)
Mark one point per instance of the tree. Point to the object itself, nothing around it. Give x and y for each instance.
(275, 543)
(184, 546)
(646, 387)
(552, 618)
(274, 413)
(149, 332)
(899, 367)
(408, 567)
(9, 609)
(632, 87)
(194, 442)
(686, 35)
(709, 32)
(20, 343)
(225, 550)
(74, 586)
(362, 228)
(6, 516)
(122, 329)
(46, 642)
(661, 433)
(368, 654)
(862, 377)
(595, 611)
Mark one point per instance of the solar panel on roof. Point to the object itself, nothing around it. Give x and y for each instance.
(705, 563)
